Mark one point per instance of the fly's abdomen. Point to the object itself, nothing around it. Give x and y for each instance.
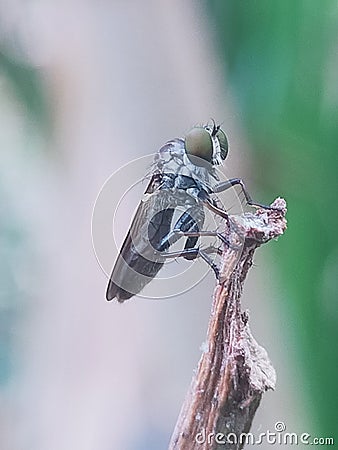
(159, 227)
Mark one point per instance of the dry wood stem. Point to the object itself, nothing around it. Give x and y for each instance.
(234, 370)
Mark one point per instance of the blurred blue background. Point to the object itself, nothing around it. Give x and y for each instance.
(86, 87)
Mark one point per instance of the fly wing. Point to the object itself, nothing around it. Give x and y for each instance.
(139, 261)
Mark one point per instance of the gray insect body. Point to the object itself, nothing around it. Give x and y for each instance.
(183, 177)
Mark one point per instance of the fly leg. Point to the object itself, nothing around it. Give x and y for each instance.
(187, 226)
(186, 222)
(225, 185)
(197, 234)
(193, 253)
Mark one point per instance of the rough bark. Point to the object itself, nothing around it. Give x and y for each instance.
(234, 370)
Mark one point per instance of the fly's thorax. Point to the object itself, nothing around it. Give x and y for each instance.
(186, 197)
(174, 197)
(172, 160)
(183, 187)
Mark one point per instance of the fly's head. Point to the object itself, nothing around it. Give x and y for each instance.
(206, 146)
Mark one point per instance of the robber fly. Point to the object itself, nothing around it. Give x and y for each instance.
(183, 176)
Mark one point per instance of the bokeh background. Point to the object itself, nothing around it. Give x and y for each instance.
(88, 86)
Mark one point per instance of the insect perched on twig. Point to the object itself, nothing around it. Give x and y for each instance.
(183, 176)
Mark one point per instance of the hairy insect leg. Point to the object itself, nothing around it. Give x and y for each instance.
(203, 233)
(193, 253)
(204, 197)
(225, 185)
(218, 211)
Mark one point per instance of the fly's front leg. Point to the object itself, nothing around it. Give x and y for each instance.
(204, 197)
(221, 187)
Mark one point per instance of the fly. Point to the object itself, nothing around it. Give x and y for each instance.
(183, 176)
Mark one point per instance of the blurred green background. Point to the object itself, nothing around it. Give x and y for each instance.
(282, 62)
(68, 101)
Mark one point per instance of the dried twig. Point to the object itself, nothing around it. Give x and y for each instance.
(234, 370)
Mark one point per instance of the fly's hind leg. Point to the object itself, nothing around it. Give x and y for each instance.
(193, 253)
(197, 234)
(186, 222)
(187, 226)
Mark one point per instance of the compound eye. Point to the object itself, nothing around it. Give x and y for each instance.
(223, 143)
(199, 147)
